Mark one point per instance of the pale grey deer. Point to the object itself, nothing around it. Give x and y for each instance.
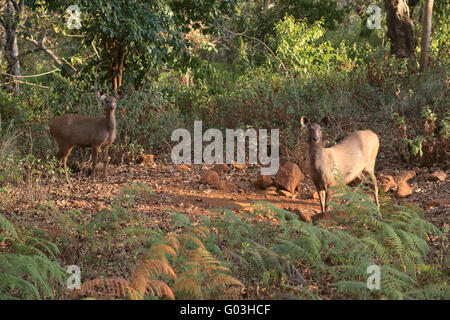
(352, 156)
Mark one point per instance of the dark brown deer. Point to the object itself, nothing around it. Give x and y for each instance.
(350, 157)
(97, 133)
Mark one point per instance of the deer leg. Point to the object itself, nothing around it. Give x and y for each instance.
(322, 195)
(105, 160)
(95, 151)
(327, 198)
(64, 155)
(375, 187)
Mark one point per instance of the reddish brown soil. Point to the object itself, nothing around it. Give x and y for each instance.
(181, 192)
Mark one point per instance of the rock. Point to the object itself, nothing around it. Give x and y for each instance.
(263, 182)
(404, 176)
(209, 177)
(438, 175)
(272, 191)
(225, 186)
(403, 190)
(314, 195)
(221, 167)
(241, 166)
(287, 194)
(289, 176)
(145, 159)
(386, 182)
(183, 167)
(439, 202)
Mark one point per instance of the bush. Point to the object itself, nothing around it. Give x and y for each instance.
(28, 266)
(302, 47)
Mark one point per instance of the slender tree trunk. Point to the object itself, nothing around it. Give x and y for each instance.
(400, 30)
(10, 23)
(426, 32)
(120, 60)
(116, 55)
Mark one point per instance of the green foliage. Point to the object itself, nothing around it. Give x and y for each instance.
(393, 238)
(302, 47)
(8, 150)
(261, 22)
(28, 269)
(439, 42)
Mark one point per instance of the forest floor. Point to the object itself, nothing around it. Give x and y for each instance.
(174, 190)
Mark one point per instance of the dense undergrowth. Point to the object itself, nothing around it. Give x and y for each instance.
(309, 71)
(269, 254)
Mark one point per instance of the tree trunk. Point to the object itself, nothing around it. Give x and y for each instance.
(10, 23)
(400, 30)
(412, 4)
(116, 55)
(426, 32)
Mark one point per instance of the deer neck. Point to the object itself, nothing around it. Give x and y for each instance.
(110, 121)
(317, 154)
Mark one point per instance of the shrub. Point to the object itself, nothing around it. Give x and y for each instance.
(28, 266)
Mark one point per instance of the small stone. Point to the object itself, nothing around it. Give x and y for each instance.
(221, 167)
(404, 176)
(225, 186)
(403, 190)
(263, 181)
(271, 192)
(209, 177)
(286, 193)
(387, 182)
(289, 176)
(145, 159)
(442, 202)
(438, 175)
(240, 166)
(183, 167)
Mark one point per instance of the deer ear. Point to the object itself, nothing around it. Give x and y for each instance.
(101, 95)
(324, 121)
(119, 95)
(304, 122)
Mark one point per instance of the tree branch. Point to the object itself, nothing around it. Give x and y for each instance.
(46, 50)
(14, 3)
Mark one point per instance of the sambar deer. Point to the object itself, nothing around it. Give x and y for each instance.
(350, 157)
(99, 133)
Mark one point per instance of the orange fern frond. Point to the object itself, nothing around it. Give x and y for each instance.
(191, 237)
(189, 286)
(201, 257)
(159, 288)
(173, 241)
(109, 287)
(153, 268)
(202, 231)
(161, 251)
(221, 280)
